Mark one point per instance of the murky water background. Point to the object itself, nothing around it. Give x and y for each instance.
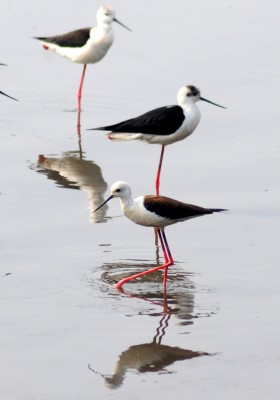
(65, 331)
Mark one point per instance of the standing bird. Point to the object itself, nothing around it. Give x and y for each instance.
(87, 45)
(164, 125)
(157, 212)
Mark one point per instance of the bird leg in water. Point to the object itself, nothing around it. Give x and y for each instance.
(168, 260)
(168, 257)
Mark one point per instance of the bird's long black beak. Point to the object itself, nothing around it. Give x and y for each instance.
(211, 102)
(8, 96)
(116, 20)
(104, 202)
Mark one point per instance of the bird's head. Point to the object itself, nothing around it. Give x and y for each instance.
(190, 93)
(118, 189)
(107, 15)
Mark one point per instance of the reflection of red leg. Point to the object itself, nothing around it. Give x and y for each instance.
(81, 88)
(159, 169)
(79, 124)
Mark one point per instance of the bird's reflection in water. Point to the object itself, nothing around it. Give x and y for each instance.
(155, 356)
(73, 172)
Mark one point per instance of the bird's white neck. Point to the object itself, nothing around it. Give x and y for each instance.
(187, 104)
(104, 26)
(191, 111)
(127, 203)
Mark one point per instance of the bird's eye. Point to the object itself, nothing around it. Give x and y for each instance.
(118, 190)
(106, 14)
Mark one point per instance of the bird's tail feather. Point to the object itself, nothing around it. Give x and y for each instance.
(213, 210)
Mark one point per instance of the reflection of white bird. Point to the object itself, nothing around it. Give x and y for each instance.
(148, 357)
(83, 174)
(157, 212)
(87, 45)
(154, 356)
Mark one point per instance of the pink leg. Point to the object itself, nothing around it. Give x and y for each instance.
(168, 260)
(167, 255)
(80, 88)
(159, 169)
(130, 278)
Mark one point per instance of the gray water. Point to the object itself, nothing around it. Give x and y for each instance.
(66, 333)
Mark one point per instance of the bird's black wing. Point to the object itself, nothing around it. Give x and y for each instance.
(76, 38)
(161, 121)
(174, 209)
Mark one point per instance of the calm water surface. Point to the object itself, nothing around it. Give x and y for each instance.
(65, 331)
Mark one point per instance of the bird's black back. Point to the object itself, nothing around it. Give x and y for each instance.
(76, 38)
(160, 121)
(174, 209)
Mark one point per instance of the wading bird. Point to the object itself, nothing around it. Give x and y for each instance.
(157, 212)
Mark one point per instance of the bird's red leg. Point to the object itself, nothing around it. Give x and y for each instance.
(130, 278)
(157, 185)
(168, 260)
(80, 88)
(159, 169)
(169, 255)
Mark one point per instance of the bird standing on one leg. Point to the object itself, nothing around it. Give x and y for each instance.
(87, 45)
(164, 125)
(157, 212)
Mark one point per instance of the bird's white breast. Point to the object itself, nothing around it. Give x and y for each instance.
(93, 51)
(192, 118)
(138, 214)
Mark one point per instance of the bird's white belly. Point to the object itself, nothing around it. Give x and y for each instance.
(139, 215)
(192, 118)
(184, 131)
(91, 53)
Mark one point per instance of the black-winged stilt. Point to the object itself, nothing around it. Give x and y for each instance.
(157, 212)
(164, 125)
(87, 45)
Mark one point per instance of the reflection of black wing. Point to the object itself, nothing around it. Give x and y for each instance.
(161, 121)
(166, 355)
(76, 38)
(148, 357)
